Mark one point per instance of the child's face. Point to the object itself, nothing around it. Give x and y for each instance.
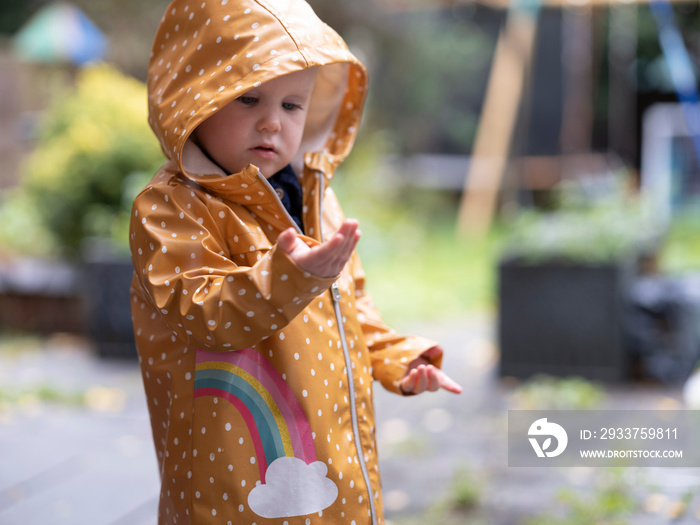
(264, 126)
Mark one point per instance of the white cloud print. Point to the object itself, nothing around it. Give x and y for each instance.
(293, 488)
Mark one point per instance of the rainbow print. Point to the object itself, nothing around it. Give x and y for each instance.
(275, 419)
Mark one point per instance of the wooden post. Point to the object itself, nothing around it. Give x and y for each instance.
(499, 116)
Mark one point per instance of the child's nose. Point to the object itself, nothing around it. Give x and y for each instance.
(269, 121)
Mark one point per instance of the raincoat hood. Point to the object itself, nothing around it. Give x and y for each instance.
(207, 53)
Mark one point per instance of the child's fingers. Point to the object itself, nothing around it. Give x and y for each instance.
(428, 378)
(421, 379)
(408, 383)
(425, 376)
(333, 254)
(346, 235)
(448, 384)
(433, 379)
(347, 246)
(341, 245)
(286, 240)
(349, 226)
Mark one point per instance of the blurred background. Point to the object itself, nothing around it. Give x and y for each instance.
(527, 179)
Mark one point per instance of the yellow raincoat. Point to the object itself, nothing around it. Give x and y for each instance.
(258, 375)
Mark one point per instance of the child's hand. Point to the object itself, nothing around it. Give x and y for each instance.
(327, 259)
(423, 376)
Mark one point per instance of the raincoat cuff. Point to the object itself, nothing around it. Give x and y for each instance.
(391, 364)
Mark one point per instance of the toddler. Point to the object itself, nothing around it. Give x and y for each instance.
(257, 341)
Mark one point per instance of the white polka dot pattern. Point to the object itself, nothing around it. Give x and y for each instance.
(209, 276)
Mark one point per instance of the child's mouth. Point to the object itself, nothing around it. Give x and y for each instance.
(264, 151)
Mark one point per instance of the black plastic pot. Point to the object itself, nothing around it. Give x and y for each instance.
(563, 319)
(106, 300)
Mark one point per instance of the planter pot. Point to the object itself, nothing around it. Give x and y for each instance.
(106, 300)
(563, 319)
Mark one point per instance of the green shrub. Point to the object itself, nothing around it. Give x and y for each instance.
(611, 501)
(584, 229)
(544, 392)
(21, 230)
(95, 150)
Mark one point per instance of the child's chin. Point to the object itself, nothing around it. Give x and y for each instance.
(269, 169)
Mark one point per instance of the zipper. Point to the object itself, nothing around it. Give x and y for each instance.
(336, 292)
(353, 409)
(336, 297)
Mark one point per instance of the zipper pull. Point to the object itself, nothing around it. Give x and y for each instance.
(336, 291)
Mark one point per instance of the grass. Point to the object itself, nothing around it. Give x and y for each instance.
(20, 394)
(12, 345)
(41, 393)
(428, 274)
(459, 505)
(611, 502)
(552, 393)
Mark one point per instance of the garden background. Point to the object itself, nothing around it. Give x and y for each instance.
(75, 149)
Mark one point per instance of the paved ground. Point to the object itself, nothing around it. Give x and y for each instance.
(90, 460)
(468, 433)
(74, 461)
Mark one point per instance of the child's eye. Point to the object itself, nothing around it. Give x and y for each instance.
(247, 100)
(290, 106)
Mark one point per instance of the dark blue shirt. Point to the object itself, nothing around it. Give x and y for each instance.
(286, 184)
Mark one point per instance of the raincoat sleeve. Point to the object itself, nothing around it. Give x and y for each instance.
(391, 353)
(184, 262)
